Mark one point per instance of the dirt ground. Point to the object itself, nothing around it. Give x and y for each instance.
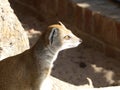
(74, 65)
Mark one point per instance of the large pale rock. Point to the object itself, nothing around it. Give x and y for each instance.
(61, 85)
(13, 39)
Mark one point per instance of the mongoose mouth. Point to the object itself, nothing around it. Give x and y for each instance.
(72, 46)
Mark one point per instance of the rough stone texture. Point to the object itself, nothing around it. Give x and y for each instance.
(13, 39)
(111, 51)
(61, 85)
(98, 21)
(88, 21)
(118, 33)
(109, 31)
(79, 18)
(52, 5)
(62, 9)
(70, 11)
(41, 5)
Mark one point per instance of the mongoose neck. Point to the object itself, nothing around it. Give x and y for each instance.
(45, 53)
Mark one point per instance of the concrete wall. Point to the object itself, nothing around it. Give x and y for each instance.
(97, 21)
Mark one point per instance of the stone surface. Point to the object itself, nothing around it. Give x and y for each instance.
(13, 39)
(40, 6)
(118, 33)
(60, 85)
(79, 18)
(62, 9)
(53, 6)
(109, 31)
(98, 21)
(70, 12)
(88, 14)
(57, 84)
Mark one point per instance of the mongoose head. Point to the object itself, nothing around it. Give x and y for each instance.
(62, 38)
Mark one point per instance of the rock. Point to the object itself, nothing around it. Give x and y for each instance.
(61, 85)
(13, 39)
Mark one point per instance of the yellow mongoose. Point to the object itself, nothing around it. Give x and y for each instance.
(29, 70)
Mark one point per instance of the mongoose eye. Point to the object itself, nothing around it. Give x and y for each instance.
(67, 37)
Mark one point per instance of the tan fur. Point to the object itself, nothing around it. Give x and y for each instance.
(28, 70)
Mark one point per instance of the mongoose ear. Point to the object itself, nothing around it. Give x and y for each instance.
(62, 24)
(53, 34)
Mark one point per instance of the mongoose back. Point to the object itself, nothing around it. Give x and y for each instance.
(30, 69)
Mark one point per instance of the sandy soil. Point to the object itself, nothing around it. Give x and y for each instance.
(74, 65)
